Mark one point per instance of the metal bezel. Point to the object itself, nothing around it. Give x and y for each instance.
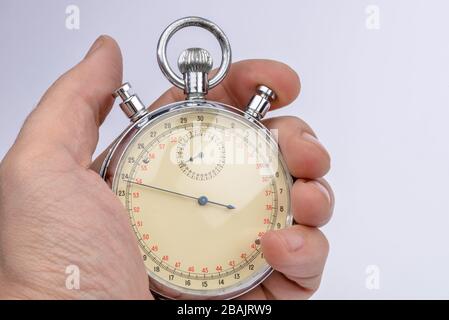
(111, 164)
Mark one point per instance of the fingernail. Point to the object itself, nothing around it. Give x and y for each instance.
(97, 44)
(294, 241)
(309, 137)
(322, 189)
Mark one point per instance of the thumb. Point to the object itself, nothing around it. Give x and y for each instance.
(69, 114)
(299, 252)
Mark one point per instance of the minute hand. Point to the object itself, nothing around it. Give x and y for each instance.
(203, 200)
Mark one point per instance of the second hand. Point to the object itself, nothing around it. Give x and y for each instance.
(202, 200)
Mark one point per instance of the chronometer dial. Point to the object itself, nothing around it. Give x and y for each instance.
(201, 188)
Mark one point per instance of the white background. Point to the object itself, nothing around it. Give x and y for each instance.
(378, 99)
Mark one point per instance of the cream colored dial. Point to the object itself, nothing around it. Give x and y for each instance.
(201, 187)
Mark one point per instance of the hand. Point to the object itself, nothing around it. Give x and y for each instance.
(56, 211)
(297, 254)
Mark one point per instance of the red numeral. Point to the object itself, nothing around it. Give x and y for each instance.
(243, 256)
(261, 165)
(154, 248)
(165, 258)
(138, 180)
(266, 221)
(269, 207)
(144, 167)
(261, 233)
(268, 193)
(232, 263)
(177, 264)
(219, 268)
(205, 270)
(136, 194)
(146, 236)
(136, 209)
(139, 223)
(162, 146)
(191, 269)
(151, 155)
(174, 139)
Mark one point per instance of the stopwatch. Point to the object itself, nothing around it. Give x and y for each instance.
(201, 181)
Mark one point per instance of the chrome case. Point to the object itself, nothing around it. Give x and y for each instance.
(113, 159)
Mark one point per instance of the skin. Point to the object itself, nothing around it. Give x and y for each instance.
(56, 211)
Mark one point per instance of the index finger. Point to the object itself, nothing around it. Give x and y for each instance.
(238, 87)
(241, 82)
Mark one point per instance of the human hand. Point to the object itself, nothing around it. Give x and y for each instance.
(56, 211)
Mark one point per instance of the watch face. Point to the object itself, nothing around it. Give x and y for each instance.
(201, 186)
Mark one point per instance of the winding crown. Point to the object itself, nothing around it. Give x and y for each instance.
(195, 60)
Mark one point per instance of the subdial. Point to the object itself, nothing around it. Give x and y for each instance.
(201, 154)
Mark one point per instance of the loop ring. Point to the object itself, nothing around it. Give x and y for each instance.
(193, 22)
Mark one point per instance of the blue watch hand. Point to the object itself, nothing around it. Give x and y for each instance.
(202, 200)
